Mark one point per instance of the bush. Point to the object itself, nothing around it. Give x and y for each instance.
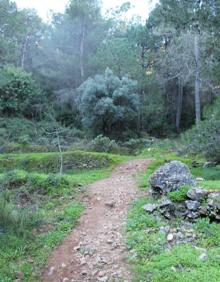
(104, 144)
(205, 138)
(133, 146)
(19, 93)
(109, 105)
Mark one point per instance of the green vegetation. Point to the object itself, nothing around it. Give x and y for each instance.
(150, 257)
(180, 195)
(50, 162)
(38, 210)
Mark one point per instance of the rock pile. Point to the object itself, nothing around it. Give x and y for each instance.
(197, 203)
(171, 177)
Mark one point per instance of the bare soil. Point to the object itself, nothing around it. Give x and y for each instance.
(96, 250)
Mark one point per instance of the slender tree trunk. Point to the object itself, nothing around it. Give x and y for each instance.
(179, 104)
(24, 51)
(82, 72)
(60, 150)
(197, 79)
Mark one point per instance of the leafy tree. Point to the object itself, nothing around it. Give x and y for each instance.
(19, 94)
(108, 104)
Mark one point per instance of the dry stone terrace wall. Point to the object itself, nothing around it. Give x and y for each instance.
(50, 162)
(196, 203)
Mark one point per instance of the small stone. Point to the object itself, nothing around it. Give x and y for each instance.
(102, 273)
(203, 257)
(209, 164)
(203, 210)
(77, 248)
(165, 203)
(170, 237)
(164, 229)
(84, 273)
(109, 241)
(197, 194)
(173, 269)
(110, 204)
(66, 279)
(199, 179)
(82, 261)
(94, 273)
(103, 279)
(193, 215)
(63, 265)
(51, 271)
(19, 275)
(150, 208)
(192, 205)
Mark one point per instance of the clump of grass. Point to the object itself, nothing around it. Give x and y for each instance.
(19, 221)
(179, 195)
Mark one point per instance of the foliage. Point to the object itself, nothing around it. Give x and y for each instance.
(204, 138)
(103, 144)
(151, 257)
(19, 94)
(179, 195)
(20, 221)
(108, 104)
(50, 162)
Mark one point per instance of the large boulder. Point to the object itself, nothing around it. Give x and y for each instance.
(170, 177)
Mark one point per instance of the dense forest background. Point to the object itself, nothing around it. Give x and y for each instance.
(86, 74)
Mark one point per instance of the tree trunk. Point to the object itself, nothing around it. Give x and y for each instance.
(82, 72)
(179, 104)
(24, 51)
(60, 151)
(197, 79)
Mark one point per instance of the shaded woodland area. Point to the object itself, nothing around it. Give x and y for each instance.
(93, 74)
(126, 105)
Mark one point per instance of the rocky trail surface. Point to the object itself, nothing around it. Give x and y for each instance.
(95, 250)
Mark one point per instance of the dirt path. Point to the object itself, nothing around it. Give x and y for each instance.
(95, 250)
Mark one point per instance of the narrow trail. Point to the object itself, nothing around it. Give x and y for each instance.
(95, 250)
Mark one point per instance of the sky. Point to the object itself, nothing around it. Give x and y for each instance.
(43, 7)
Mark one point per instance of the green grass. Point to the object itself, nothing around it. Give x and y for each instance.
(210, 185)
(179, 195)
(57, 200)
(50, 162)
(150, 259)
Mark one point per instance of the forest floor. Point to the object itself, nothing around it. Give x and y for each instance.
(96, 248)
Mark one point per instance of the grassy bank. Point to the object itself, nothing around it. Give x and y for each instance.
(38, 210)
(151, 257)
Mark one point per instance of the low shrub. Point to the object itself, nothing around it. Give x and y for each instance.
(103, 144)
(205, 137)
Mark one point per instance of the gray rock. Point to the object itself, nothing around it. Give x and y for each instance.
(209, 164)
(170, 237)
(192, 205)
(150, 208)
(164, 229)
(197, 194)
(214, 200)
(203, 257)
(165, 203)
(203, 210)
(171, 177)
(192, 215)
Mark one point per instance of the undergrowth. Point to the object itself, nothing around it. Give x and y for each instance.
(38, 210)
(150, 258)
